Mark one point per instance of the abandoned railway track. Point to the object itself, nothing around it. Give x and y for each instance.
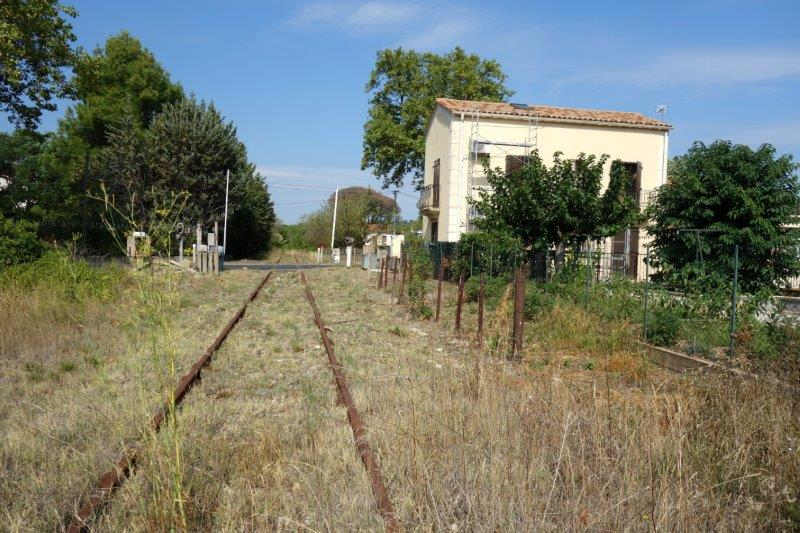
(111, 480)
(102, 492)
(379, 492)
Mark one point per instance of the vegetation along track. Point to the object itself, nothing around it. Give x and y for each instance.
(111, 480)
(106, 485)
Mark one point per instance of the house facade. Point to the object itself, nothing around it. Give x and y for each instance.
(462, 135)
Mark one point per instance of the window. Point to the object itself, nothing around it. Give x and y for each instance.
(516, 162)
(635, 184)
(479, 162)
(435, 202)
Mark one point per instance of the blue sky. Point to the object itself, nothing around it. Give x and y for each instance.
(291, 75)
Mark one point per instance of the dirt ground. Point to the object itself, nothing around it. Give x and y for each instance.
(467, 441)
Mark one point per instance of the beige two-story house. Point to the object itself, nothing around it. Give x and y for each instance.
(462, 135)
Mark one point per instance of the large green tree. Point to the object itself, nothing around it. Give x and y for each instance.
(358, 210)
(35, 189)
(119, 83)
(35, 47)
(736, 196)
(120, 80)
(558, 205)
(403, 87)
(187, 150)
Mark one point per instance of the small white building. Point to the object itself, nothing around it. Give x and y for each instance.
(462, 135)
(384, 244)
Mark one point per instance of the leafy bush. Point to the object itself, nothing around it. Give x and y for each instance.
(537, 301)
(420, 269)
(18, 242)
(492, 253)
(493, 289)
(65, 277)
(663, 326)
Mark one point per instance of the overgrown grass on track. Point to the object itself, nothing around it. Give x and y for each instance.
(580, 435)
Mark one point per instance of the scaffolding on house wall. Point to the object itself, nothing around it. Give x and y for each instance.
(477, 141)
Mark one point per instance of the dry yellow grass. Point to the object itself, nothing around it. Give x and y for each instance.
(579, 436)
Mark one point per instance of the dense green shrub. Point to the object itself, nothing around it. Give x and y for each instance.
(745, 197)
(18, 242)
(663, 326)
(420, 263)
(537, 300)
(491, 253)
(65, 277)
(493, 289)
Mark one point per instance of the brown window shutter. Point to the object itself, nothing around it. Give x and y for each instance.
(513, 164)
(516, 162)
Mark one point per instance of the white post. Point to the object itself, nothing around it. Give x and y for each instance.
(349, 255)
(225, 225)
(335, 204)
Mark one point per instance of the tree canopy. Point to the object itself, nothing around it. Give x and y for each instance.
(359, 209)
(187, 150)
(35, 47)
(120, 80)
(558, 205)
(404, 85)
(734, 195)
(133, 140)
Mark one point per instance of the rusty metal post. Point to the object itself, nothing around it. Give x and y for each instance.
(380, 274)
(386, 272)
(404, 266)
(439, 288)
(394, 271)
(460, 301)
(519, 308)
(480, 311)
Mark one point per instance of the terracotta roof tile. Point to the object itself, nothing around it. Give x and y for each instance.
(623, 118)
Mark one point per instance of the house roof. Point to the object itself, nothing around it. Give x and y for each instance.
(554, 114)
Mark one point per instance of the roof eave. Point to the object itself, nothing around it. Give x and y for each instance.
(506, 116)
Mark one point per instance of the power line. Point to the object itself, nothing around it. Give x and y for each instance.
(298, 186)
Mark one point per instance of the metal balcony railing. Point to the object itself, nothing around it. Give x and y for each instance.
(429, 197)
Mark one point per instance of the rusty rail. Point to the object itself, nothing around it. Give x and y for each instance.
(356, 425)
(113, 479)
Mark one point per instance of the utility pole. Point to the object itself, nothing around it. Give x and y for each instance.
(394, 214)
(225, 225)
(335, 205)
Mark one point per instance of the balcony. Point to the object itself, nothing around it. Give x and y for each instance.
(428, 202)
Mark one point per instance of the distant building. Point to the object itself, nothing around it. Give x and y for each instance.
(462, 135)
(383, 244)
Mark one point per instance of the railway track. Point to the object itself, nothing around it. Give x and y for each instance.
(111, 480)
(354, 418)
(102, 492)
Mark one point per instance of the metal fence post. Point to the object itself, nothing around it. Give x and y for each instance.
(471, 257)
(646, 287)
(460, 301)
(480, 311)
(439, 288)
(731, 350)
(588, 271)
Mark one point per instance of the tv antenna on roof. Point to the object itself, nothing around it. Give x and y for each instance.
(661, 109)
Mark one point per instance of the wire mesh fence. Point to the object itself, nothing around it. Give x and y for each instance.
(713, 320)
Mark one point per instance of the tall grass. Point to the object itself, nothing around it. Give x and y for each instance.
(49, 302)
(577, 436)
